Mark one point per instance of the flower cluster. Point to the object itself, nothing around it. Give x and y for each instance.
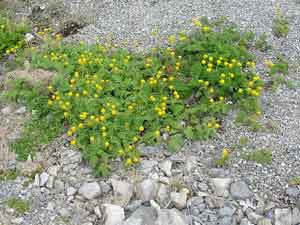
(113, 100)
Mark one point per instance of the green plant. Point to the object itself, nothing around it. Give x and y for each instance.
(44, 125)
(224, 159)
(8, 175)
(262, 156)
(21, 206)
(112, 100)
(295, 181)
(262, 43)
(280, 25)
(243, 141)
(12, 36)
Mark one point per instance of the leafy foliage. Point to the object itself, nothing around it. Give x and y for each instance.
(11, 36)
(262, 156)
(112, 100)
(21, 206)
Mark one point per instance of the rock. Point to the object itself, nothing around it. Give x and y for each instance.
(253, 217)
(149, 150)
(123, 192)
(227, 210)
(28, 168)
(220, 186)
(31, 77)
(71, 191)
(71, 157)
(7, 110)
(21, 110)
(36, 180)
(190, 164)
(18, 220)
(105, 188)
(240, 190)
(53, 170)
(146, 166)
(179, 198)
(142, 216)
(50, 182)
(283, 216)
(44, 179)
(227, 220)
(166, 167)
(154, 205)
(170, 217)
(147, 190)
(264, 221)
(59, 185)
(196, 205)
(90, 190)
(29, 38)
(245, 221)
(214, 202)
(133, 205)
(97, 212)
(292, 192)
(113, 214)
(295, 216)
(51, 206)
(163, 196)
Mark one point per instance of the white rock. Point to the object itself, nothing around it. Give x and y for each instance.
(179, 198)
(170, 217)
(113, 214)
(44, 179)
(21, 110)
(97, 212)
(283, 216)
(90, 190)
(123, 192)
(166, 167)
(36, 180)
(295, 216)
(7, 110)
(147, 190)
(53, 170)
(220, 186)
(71, 191)
(29, 37)
(50, 182)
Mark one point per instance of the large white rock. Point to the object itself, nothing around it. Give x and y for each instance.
(220, 186)
(90, 190)
(147, 190)
(113, 214)
(170, 217)
(123, 192)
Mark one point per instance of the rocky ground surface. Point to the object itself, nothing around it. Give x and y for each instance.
(185, 188)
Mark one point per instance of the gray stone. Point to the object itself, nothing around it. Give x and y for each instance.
(142, 216)
(21, 110)
(123, 192)
(44, 179)
(97, 212)
(292, 192)
(179, 198)
(113, 214)
(227, 220)
(166, 167)
(227, 210)
(53, 170)
(253, 217)
(90, 190)
(220, 186)
(29, 37)
(170, 217)
(105, 187)
(283, 216)
(240, 190)
(295, 216)
(245, 221)
(146, 166)
(71, 191)
(134, 205)
(7, 110)
(163, 196)
(147, 190)
(50, 182)
(59, 185)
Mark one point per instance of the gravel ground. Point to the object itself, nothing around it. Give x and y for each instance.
(133, 22)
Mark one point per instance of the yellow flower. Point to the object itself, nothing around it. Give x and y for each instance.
(197, 23)
(114, 112)
(206, 29)
(135, 139)
(128, 162)
(141, 129)
(92, 139)
(106, 144)
(69, 133)
(73, 142)
(80, 125)
(225, 153)
(83, 115)
(157, 133)
(222, 81)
